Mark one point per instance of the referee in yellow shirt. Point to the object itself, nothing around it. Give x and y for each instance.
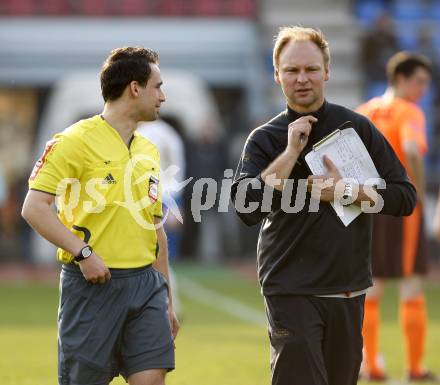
(115, 314)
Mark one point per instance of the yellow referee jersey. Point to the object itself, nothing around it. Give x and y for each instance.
(106, 193)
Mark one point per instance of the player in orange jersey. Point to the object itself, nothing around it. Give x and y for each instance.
(399, 243)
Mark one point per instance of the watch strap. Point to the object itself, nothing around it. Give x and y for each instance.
(81, 256)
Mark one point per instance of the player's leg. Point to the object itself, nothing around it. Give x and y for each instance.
(148, 377)
(413, 314)
(386, 262)
(342, 345)
(413, 318)
(296, 332)
(372, 367)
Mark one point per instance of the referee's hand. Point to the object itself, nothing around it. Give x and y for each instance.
(94, 270)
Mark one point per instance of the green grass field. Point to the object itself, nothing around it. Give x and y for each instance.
(214, 347)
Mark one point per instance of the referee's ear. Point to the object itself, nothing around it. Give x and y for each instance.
(134, 88)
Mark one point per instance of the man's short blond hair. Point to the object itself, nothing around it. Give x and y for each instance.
(298, 33)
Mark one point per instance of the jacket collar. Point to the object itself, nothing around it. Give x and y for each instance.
(292, 115)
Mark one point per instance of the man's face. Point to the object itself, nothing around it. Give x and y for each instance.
(301, 73)
(415, 86)
(151, 96)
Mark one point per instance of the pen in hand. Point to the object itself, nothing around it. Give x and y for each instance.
(299, 131)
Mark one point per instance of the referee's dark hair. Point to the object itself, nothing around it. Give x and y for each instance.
(123, 66)
(406, 63)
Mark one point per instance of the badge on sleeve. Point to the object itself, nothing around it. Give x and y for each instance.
(153, 188)
(40, 162)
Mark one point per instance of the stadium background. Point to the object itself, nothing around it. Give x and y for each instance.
(222, 48)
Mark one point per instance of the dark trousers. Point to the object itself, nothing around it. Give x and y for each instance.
(315, 340)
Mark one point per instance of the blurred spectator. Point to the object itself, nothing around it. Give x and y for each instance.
(431, 102)
(3, 197)
(426, 47)
(436, 220)
(207, 159)
(377, 46)
(3, 188)
(425, 44)
(18, 115)
(172, 153)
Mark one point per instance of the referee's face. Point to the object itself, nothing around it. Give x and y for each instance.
(151, 96)
(302, 73)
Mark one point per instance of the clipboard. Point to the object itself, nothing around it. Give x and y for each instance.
(347, 151)
(327, 139)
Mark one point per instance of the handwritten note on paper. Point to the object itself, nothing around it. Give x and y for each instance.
(348, 153)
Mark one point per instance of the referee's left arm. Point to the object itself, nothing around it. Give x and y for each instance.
(162, 265)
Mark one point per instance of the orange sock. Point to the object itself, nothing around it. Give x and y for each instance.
(370, 332)
(413, 319)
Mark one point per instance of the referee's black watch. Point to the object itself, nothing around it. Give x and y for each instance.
(85, 253)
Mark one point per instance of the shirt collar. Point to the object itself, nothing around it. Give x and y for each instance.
(292, 115)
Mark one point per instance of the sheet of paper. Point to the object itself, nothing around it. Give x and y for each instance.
(348, 153)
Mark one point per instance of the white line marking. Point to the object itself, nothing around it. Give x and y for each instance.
(226, 304)
(396, 382)
(231, 306)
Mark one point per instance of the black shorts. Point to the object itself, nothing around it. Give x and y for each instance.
(399, 247)
(314, 340)
(120, 327)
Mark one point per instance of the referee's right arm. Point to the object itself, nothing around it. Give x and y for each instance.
(37, 211)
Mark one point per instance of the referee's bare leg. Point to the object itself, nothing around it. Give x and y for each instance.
(148, 377)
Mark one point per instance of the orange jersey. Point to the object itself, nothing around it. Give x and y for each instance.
(399, 121)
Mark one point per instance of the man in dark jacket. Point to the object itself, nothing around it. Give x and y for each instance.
(314, 270)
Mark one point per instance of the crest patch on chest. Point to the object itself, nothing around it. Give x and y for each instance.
(153, 188)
